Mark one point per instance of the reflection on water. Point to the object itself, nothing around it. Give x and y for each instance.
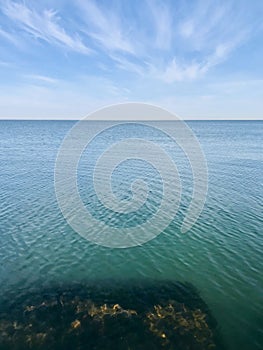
(135, 316)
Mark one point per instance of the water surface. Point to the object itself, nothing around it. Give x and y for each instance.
(221, 255)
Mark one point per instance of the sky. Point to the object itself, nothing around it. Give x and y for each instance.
(200, 59)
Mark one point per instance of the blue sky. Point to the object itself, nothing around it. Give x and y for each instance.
(63, 59)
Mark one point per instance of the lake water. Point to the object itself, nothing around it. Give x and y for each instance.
(221, 255)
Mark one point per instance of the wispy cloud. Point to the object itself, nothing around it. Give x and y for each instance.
(210, 26)
(129, 65)
(153, 43)
(206, 23)
(41, 78)
(43, 25)
(187, 48)
(176, 71)
(206, 39)
(138, 50)
(105, 27)
(12, 38)
(163, 24)
(115, 31)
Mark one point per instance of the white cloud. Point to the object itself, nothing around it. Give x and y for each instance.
(10, 37)
(43, 25)
(178, 72)
(105, 27)
(213, 30)
(163, 24)
(41, 78)
(196, 67)
(210, 23)
(126, 64)
(187, 49)
(187, 71)
(158, 43)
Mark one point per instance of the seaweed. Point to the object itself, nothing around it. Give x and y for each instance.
(147, 315)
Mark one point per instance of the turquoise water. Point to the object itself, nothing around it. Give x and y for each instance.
(221, 255)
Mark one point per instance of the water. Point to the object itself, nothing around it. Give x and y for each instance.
(221, 255)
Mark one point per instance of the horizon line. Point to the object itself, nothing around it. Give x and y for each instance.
(126, 120)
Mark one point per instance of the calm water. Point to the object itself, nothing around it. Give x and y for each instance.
(221, 255)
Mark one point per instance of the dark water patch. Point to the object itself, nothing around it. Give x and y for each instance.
(135, 315)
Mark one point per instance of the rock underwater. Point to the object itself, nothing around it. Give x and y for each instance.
(153, 315)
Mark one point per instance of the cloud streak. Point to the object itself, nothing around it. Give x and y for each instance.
(163, 24)
(9, 37)
(163, 47)
(147, 50)
(153, 42)
(41, 78)
(43, 25)
(105, 27)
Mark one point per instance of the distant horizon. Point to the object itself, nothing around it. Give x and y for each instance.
(135, 120)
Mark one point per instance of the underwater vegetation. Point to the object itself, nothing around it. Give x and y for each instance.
(163, 315)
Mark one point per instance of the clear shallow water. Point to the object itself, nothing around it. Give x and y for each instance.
(221, 255)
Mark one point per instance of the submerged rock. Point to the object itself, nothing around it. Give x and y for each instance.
(177, 327)
(164, 316)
